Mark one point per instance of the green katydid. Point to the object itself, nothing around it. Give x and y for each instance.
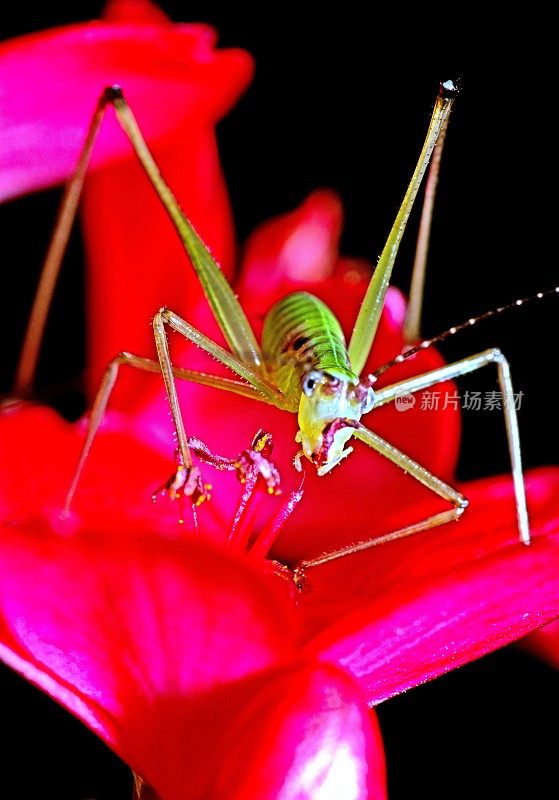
(308, 370)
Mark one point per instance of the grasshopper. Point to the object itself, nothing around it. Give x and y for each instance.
(302, 365)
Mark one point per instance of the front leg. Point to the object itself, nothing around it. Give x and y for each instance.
(254, 461)
(418, 472)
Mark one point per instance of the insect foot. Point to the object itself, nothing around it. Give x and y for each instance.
(255, 460)
(249, 465)
(185, 482)
(299, 578)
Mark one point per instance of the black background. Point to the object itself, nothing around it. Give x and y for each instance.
(340, 102)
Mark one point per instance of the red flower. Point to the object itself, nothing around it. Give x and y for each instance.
(164, 712)
(173, 651)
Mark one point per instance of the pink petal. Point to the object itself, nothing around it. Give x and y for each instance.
(120, 477)
(178, 85)
(411, 610)
(164, 648)
(118, 481)
(308, 735)
(51, 82)
(301, 245)
(143, 640)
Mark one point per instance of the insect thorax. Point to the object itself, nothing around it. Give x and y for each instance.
(302, 334)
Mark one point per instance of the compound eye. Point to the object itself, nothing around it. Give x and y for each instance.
(368, 401)
(310, 382)
(364, 395)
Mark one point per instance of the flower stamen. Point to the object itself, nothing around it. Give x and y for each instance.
(268, 535)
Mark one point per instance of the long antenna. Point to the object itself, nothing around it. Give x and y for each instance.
(412, 322)
(368, 317)
(426, 343)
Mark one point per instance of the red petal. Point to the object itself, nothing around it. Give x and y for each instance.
(308, 735)
(178, 85)
(144, 640)
(133, 11)
(115, 490)
(138, 264)
(411, 610)
(51, 82)
(301, 245)
(147, 641)
(544, 643)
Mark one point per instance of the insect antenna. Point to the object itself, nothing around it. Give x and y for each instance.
(412, 321)
(409, 352)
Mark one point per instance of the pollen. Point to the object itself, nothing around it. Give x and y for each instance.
(205, 495)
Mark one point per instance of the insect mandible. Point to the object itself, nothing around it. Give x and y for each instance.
(302, 365)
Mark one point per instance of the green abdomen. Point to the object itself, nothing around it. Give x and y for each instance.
(302, 331)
